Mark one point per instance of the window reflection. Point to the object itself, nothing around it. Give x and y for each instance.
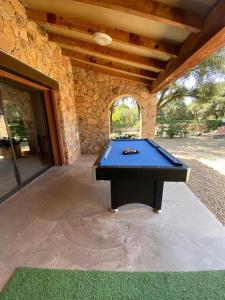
(8, 180)
(28, 135)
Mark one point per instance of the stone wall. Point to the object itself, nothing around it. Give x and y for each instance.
(26, 41)
(94, 92)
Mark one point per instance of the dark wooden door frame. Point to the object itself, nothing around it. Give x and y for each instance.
(51, 111)
(54, 128)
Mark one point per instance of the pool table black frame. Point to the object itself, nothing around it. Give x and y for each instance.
(138, 184)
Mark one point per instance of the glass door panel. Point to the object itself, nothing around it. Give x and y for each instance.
(27, 123)
(8, 181)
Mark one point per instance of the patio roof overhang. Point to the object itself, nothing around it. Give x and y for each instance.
(154, 42)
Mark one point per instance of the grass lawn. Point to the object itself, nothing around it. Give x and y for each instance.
(46, 284)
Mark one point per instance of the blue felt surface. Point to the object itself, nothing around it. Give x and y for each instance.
(148, 156)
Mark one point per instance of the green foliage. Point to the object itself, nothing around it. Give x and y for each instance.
(182, 128)
(172, 130)
(204, 86)
(176, 109)
(209, 69)
(181, 122)
(172, 93)
(209, 101)
(213, 124)
(124, 114)
(15, 120)
(17, 129)
(5, 142)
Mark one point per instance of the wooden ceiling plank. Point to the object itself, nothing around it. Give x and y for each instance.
(109, 64)
(145, 62)
(113, 69)
(120, 36)
(111, 72)
(155, 11)
(196, 48)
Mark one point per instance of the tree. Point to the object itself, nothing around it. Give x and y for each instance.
(124, 114)
(212, 105)
(204, 85)
(176, 109)
(173, 92)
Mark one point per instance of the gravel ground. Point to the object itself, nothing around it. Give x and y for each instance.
(209, 186)
(205, 182)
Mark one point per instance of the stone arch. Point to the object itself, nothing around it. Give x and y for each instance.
(121, 97)
(94, 94)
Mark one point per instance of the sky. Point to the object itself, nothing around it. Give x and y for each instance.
(131, 102)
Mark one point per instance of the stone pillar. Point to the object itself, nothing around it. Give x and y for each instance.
(148, 117)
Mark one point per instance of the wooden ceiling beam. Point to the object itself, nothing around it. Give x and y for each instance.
(93, 60)
(104, 70)
(109, 53)
(129, 39)
(155, 11)
(196, 48)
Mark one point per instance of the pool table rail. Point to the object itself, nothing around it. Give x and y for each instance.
(178, 172)
(139, 184)
(141, 173)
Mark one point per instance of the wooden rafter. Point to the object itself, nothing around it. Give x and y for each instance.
(109, 71)
(93, 60)
(155, 11)
(196, 48)
(111, 54)
(120, 36)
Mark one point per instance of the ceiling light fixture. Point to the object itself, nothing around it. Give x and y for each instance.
(102, 39)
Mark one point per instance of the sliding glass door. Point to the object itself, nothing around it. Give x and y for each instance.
(8, 179)
(24, 142)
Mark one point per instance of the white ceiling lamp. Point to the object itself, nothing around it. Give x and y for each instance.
(102, 39)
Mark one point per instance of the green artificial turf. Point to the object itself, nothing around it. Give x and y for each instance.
(45, 284)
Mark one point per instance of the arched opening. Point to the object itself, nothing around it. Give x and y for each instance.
(125, 116)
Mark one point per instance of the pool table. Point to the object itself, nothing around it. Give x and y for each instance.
(138, 178)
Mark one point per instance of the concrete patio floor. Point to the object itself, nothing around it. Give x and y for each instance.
(61, 221)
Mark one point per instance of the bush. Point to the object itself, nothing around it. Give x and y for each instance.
(5, 142)
(181, 128)
(161, 122)
(213, 124)
(17, 129)
(160, 130)
(173, 130)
